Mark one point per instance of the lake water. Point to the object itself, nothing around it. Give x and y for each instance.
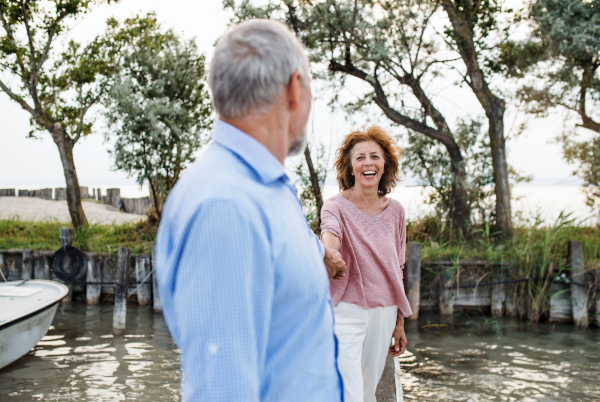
(459, 359)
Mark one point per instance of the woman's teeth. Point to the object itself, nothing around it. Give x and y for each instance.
(369, 173)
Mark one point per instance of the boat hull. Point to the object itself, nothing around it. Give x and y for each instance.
(22, 335)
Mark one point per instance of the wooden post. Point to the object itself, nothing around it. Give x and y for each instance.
(597, 282)
(41, 269)
(578, 289)
(446, 300)
(498, 299)
(92, 291)
(155, 292)
(142, 268)
(413, 278)
(66, 239)
(27, 271)
(120, 311)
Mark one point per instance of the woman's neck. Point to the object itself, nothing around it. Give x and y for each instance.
(363, 196)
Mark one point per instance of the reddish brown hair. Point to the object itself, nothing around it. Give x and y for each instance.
(391, 155)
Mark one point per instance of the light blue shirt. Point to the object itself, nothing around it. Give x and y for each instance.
(244, 290)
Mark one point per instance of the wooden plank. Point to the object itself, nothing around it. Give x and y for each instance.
(92, 291)
(143, 267)
(155, 291)
(413, 278)
(41, 266)
(578, 293)
(120, 310)
(560, 303)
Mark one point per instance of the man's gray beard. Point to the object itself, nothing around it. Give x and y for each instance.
(299, 146)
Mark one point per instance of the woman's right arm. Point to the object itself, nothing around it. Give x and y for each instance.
(336, 267)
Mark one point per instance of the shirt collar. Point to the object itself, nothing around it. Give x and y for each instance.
(260, 159)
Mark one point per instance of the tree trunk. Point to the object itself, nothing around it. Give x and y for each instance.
(494, 109)
(495, 114)
(65, 148)
(314, 179)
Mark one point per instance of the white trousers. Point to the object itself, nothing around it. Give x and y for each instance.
(364, 337)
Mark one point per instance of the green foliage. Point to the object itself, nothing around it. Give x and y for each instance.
(560, 64)
(59, 86)
(429, 162)
(586, 155)
(16, 234)
(158, 111)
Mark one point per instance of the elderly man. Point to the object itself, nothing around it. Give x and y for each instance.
(241, 275)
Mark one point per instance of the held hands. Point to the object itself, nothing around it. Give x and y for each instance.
(400, 340)
(336, 267)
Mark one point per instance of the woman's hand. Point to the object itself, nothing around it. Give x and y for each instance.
(334, 263)
(400, 340)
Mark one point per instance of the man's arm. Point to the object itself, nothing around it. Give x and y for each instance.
(222, 298)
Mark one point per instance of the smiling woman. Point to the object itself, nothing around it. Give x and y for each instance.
(369, 230)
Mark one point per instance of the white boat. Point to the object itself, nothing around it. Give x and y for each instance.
(26, 312)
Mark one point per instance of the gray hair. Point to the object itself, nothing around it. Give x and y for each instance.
(252, 65)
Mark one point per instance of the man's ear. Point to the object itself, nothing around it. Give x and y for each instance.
(294, 91)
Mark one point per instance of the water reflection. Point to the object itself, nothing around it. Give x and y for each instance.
(449, 360)
(79, 359)
(463, 361)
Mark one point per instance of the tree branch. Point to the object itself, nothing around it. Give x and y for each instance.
(382, 101)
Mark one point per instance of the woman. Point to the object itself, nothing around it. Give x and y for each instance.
(369, 230)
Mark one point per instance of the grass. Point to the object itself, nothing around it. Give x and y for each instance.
(16, 234)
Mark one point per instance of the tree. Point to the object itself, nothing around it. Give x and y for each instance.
(159, 111)
(58, 88)
(559, 63)
(472, 21)
(390, 46)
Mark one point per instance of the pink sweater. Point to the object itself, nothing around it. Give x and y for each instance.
(373, 249)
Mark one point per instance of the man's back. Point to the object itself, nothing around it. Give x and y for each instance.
(245, 292)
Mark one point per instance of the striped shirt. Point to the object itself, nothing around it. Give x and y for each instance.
(244, 289)
(373, 248)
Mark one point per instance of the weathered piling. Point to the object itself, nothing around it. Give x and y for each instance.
(94, 276)
(23, 193)
(578, 289)
(27, 270)
(446, 298)
(66, 239)
(143, 267)
(413, 278)
(155, 291)
(498, 300)
(120, 311)
(7, 192)
(41, 269)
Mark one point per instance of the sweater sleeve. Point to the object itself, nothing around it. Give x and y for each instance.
(330, 220)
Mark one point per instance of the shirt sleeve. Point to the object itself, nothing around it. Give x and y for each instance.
(221, 303)
(330, 221)
(320, 246)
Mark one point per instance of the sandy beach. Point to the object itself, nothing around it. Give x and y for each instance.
(36, 209)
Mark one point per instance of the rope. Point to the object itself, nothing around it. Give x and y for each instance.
(142, 282)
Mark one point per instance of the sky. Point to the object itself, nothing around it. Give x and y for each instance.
(29, 163)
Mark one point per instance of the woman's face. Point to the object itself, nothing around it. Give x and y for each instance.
(367, 164)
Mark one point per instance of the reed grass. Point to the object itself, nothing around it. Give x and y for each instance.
(536, 252)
